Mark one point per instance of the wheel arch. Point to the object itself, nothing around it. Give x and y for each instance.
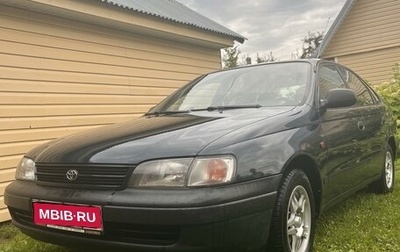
(392, 144)
(308, 165)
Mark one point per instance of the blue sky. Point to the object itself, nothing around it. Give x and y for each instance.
(270, 25)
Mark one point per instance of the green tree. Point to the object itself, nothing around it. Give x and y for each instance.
(311, 44)
(261, 59)
(269, 58)
(248, 60)
(231, 57)
(390, 92)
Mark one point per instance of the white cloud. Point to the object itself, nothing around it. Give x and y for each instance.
(270, 25)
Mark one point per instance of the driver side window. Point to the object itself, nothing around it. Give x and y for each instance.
(328, 78)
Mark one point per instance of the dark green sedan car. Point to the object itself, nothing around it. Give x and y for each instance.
(243, 159)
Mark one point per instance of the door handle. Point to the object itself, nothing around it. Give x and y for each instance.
(361, 125)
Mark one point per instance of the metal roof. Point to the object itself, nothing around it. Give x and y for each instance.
(174, 11)
(335, 27)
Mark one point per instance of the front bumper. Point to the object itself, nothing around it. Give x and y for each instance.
(233, 217)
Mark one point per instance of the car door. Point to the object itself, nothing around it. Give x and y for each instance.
(372, 143)
(342, 134)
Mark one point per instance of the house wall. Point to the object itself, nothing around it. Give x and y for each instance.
(59, 76)
(374, 66)
(368, 41)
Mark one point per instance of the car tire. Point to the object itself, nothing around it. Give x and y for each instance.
(385, 183)
(293, 218)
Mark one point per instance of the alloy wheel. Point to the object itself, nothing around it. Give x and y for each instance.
(299, 220)
(389, 170)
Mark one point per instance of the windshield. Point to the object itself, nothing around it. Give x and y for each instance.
(279, 84)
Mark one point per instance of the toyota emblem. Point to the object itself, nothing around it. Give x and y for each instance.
(71, 175)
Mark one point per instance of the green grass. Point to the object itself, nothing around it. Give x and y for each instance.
(364, 222)
(11, 239)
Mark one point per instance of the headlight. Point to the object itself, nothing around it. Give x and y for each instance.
(184, 172)
(26, 170)
(169, 172)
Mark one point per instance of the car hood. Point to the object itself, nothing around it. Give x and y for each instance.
(151, 137)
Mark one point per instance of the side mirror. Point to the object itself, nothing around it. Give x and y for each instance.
(339, 98)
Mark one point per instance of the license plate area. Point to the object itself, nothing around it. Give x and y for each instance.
(68, 217)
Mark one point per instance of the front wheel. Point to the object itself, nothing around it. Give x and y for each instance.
(293, 219)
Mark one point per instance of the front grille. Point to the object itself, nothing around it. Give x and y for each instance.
(89, 176)
(160, 235)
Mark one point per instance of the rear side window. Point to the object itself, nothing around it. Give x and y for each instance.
(356, 84)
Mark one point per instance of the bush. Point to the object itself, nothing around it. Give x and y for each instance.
(390, 92)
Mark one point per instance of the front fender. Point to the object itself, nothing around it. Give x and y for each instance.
(269, 154)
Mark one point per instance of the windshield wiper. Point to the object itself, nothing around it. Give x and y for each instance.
(212, 108)
(157, 113)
